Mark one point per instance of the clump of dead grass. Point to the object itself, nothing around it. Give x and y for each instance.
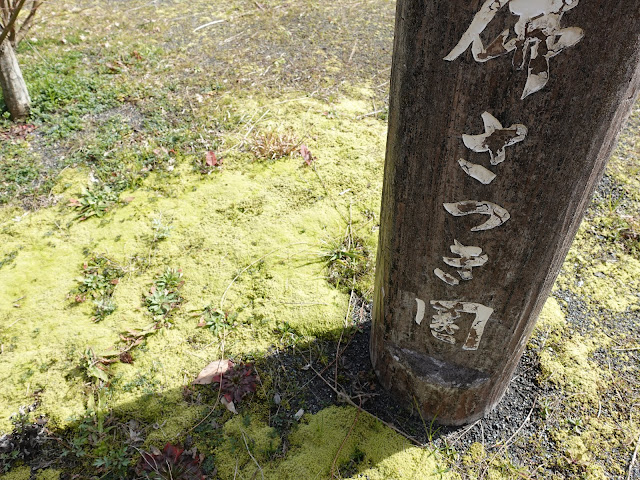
(273, 145)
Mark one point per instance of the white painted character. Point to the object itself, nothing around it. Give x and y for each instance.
(538, 37)
(468, 258)
(497, 214)
(494, 140)
(444, 326)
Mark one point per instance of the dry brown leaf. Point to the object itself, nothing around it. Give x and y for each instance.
(230, 406)
(205, 377)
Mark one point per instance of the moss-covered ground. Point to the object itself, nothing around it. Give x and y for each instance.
(201, 181)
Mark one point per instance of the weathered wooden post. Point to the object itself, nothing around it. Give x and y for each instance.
(503, 114)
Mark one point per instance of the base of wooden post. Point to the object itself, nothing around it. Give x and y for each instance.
(445, 393)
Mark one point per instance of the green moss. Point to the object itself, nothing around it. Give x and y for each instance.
(48, 474)
(245, 437)
(565, 362)
(372, 450)
(251, 233)
(20, 473)
(601, 279)
(578, 456)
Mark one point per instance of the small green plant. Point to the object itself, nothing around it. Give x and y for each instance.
(576, 424)
(161, 230)
(170, 279)
(348, 260)
(289, 337)
(216, 320)
(94, 367)
(94, 202)
(99, 280)
(96, 441)
(116, 462)
(164, 296)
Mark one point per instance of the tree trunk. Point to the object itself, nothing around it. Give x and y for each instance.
(14, 90)
(502, 116)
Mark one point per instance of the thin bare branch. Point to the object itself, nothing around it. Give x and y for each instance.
(28, 22)
(12, 20)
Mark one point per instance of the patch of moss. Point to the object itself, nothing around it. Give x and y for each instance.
(364, 444)
(602, 276)
(577, 457)
(565, 358)
(19, 473)
(259, 265)
(48, 474)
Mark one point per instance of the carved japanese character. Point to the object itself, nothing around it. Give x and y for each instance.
(538, 37)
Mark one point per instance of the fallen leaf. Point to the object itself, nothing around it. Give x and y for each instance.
(306, 155)
(126, 357)
(218, 367)
(230, 406)
(74, 202)
(211, 160)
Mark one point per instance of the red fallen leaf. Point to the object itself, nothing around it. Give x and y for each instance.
(172, 451)
(202, 323)
(211, 160)
(152, 290)
(213, 370)
(74, 202)
(306, 155)
(115, 281)
(129, 199)
(80, 299)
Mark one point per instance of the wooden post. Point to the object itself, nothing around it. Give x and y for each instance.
(503, 114)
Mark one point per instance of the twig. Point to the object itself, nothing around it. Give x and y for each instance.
(224, 295)
(217, 399)
(353, 424)
(633, 458)
(344, 397)
(353, 51)
(508, 442)
(375, 112)
(301, 304)
(464, 432)
(12, 20)
(242, 271)
(255, 123)
(244, 438)
(208, 25)
(141, 6)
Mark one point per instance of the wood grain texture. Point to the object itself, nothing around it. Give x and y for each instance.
(545, 184)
